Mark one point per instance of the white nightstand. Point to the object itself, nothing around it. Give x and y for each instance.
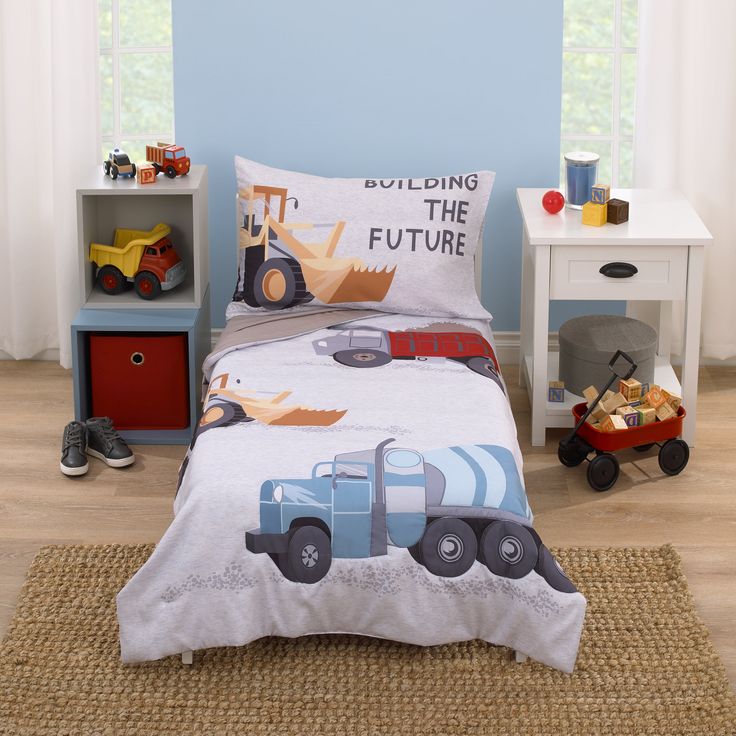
(561, 259)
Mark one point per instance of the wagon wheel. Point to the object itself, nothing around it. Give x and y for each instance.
(644, 448)
(572, 452)
(603, 472)
(111, 280)
(673, 456)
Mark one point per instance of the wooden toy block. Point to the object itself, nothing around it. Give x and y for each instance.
(599, 413)
(614, 402)
(665, 411)
(613, 422)
(556, 391)
(595, 214)
(634, 404)
(145, 174)
(607, 397)
(601, 193)
(644, 389)
(672, 399)
(646, 414)
(631, 416)
(631, 389)
(590, 394)
(617, 212)
(654, 397)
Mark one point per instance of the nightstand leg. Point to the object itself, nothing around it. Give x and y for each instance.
(527, 297)
(540, 331)
(691, 346)
(187, 657)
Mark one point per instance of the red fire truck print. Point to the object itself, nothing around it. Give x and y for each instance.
(365, 347)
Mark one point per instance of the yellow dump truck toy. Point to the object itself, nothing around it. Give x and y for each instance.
(146, 259)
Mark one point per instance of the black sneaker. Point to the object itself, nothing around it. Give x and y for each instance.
(105, 443)
(73, 449)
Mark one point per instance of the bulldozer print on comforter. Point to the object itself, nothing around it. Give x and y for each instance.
(277, 269)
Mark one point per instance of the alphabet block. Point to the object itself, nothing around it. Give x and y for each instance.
(601, 193)
(665, 411)
(647, 415)
(613, 422)
(631, 416)
(145, 174)
(614, 402)
(631, 389)
(595, 214)
(556, 391)
(672, 399)
(654, 397)
(618, 211)
(590, 394)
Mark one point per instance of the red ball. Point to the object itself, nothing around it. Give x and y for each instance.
(553, 201)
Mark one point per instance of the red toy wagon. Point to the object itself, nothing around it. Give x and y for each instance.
(603, 469)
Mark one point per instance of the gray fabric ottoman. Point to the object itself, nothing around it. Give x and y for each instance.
(588, 343)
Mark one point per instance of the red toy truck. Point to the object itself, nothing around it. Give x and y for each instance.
(370, 348)
(145, 258)
(169, 158)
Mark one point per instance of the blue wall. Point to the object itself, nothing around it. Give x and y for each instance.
(385, 88)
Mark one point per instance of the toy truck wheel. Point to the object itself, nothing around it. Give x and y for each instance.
(550, 570)
(673, 456)
(279, 283)
(111, 280)
(106, 168)
(170, 172)
(362, 358)
(222, 414)
(508, 549)
(147, 285)
(308, 557)
(603, 472)
(113, 171)
(133, 169)
(572, 452)
(449, 547)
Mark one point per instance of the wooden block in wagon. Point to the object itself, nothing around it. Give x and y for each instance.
(673, 400)
(614, 402)
(613, 422)
(654, 397)
(631, 416)
(631, 389)
(665, 411)
(647, 414)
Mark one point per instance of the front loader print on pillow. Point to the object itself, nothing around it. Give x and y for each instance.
(398, 245)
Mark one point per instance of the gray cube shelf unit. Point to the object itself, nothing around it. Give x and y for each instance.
(108, 327)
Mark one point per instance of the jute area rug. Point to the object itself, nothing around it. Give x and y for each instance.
(646, 666)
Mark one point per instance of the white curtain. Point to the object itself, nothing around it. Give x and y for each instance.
(686, 137)
(48, 140)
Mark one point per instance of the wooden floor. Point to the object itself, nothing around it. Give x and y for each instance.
(695, 511)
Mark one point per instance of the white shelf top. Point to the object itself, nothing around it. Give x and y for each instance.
(656, 217)
(95, 182)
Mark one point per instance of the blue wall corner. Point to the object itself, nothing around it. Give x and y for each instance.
(379, 89)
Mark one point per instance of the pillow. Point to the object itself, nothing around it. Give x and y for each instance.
(396, 245)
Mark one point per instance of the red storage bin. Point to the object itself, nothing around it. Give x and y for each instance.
(140, 381)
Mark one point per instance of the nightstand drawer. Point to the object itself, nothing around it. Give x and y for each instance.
(618, 272)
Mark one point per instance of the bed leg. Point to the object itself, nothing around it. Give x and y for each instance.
(187, 657)
(519, 657)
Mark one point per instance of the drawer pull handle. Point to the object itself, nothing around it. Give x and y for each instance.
(137, 358)
(618, 270)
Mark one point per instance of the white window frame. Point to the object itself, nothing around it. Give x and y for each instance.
(115, 51)
(618, 51)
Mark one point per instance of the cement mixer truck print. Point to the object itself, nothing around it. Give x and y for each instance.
(449, 507)
(277, 269)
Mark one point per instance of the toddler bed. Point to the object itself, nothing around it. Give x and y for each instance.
(354, 471)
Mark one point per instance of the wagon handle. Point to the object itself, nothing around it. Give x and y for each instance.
(614, 375)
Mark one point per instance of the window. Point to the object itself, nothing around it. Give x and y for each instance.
(136, 75)
(598, 83)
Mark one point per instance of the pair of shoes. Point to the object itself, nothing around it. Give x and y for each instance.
(96, 437)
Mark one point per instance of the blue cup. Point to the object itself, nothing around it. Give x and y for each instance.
(581, 169)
